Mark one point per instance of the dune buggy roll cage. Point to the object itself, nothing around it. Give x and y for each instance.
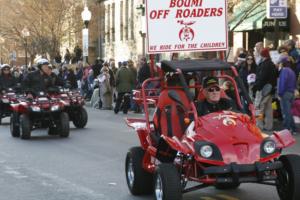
(185, 66)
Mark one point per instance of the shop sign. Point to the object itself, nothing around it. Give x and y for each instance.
(186, 25)
(277, 9)
(282, 24)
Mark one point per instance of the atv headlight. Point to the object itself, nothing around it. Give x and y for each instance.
(269, 147)
(206, 151)
(35, 108)
(55, 108)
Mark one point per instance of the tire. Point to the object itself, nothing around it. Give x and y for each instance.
(25, 127)
(288, 182)
(227, 186)
(167, 185)
(139, 181)
(63, 125)
(81, 118)
(14, 125)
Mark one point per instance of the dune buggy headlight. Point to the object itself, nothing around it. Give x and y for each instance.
(206, 151)
(35, 108)
(55, 108)
(269, 147)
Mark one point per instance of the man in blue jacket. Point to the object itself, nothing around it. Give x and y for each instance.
(286, 88)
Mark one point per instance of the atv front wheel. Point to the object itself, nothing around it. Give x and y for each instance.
(25, 126)
(167, 185)
(81, 118)
(14, 125)
(138, 180)
(64, 125)
(288, 181)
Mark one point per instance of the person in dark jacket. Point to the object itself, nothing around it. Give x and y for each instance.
(97, 67)
(41, 79)
(6, 79)
(124, 82)
(144, 71)
(286, 88)
(264, 87)
(71, 79)
(247, 68)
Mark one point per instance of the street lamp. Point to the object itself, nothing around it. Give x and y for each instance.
(25, 34)
(2, 40)
(86, 17)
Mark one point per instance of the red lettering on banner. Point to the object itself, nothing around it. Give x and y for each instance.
(158, 14)
(185, 3)
(220, 12)
(165, 47)
(200, 12)
(192, 46)
(179, 46)
(153, 48)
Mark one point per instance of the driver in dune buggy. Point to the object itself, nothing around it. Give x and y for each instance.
(213, 101)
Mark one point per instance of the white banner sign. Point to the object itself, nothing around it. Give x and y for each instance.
(85, 42)
(186, 25)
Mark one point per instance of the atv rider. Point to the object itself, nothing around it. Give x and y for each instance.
(213, 101)
(6, 79)
(41, 80)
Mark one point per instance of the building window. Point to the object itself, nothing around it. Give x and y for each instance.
(121, 21)
(132, 20)
(113, 22)
(126, 18)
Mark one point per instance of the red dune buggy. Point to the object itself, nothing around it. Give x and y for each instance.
(43, 111)
(222, 149)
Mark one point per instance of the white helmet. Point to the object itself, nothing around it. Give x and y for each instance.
(42, 62)
(5, 66)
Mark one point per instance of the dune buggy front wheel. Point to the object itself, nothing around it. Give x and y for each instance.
(167, 184)
(288, 180)
(138, 180)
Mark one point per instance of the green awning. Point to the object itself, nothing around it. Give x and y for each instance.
(248, 16)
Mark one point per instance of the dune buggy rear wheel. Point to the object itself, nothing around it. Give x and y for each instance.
(63, 125)
(25, 127)
(288, 181)
(14, 125)
(167, 184)
(81, 118)
(138, 180)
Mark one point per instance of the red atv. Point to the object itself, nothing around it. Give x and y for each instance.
(43, 111)
(74, 107)
(7, 97)
(222, 149)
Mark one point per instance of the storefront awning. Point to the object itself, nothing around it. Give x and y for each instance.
(248, 17)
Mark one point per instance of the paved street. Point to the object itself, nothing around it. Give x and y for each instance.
(89, 165)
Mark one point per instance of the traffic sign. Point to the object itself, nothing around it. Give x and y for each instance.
(277, 9)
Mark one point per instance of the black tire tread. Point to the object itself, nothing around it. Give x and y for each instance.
(172, 188)
(25, 127)
(143, 183)
(14, 129)
(80, 122)
(292, 164)
(64, 125)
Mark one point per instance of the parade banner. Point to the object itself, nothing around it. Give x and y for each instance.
(186, 25)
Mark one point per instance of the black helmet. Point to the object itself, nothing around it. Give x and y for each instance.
(42, 62)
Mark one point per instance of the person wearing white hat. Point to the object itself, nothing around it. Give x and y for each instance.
(41, 79)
